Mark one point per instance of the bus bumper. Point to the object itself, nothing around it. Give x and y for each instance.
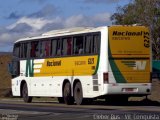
(127, 89)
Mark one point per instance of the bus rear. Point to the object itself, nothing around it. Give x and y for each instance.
(129, 59)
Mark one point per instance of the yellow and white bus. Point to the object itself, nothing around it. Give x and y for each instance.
(79, 64)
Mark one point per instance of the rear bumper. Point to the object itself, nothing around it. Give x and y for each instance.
(127, 89)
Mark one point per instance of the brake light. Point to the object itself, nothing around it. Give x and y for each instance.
(105, 77)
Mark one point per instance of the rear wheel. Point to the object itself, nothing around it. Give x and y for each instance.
(78, 94)
(68, 99)
(25, 96)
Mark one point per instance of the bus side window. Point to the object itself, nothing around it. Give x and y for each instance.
(23, 50)
(88, 44)
(67, 46)
(35, 49)
(16, 50)
(58, 48)
(96, 43)
(78, 45)
(53, 47)
(47, 48)
(28, 49)
(64, 46)
(44, 48)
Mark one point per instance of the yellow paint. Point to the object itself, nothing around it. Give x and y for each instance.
(130, 42)
(68, 66)
(134, 76)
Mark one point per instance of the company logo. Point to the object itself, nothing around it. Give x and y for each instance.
(29, 68)
(140, 65)
(136, 65)
(33, 66)
(128, 33)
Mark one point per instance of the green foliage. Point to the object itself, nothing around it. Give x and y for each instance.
(144, 12)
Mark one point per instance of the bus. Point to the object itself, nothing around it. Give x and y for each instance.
(80, 64)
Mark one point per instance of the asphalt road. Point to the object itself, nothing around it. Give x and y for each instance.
(13, 110)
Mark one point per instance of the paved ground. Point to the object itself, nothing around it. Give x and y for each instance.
(16, 109)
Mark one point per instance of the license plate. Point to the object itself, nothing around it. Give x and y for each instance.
(129, 89)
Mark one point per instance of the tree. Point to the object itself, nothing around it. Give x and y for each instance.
(144, 12)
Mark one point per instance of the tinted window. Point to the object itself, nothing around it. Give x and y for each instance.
(56, 47)
(23, 50)
(96, 43)
(16, 50)
(45, 47)
(34, 52)
(78, 45)
(92, 43)
(67, 46)
(88, 44)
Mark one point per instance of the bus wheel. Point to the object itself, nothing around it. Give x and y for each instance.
(60, 99)
(25, 96)
(68, 99)
(78, 94)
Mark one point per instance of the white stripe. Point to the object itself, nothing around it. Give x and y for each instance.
(39, 61)
(37, 71)
(38, 66)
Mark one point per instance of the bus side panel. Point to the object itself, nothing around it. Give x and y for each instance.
(66, 66)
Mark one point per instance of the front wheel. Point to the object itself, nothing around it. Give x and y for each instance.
(25, 96)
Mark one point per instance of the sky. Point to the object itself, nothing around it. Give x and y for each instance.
(25, 18)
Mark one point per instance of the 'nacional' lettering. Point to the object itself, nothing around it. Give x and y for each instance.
(128, 33)
(54, 63)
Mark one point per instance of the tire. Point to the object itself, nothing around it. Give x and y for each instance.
(25, 96)
(78, 94)
(60, 99)
(68, 99)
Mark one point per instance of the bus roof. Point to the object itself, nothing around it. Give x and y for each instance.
(69, 31)
(63, 32)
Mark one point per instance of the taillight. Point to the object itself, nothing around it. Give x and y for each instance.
(105, 77)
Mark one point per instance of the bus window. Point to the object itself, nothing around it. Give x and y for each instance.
(34, 49)
(69, 46)
(47, 48)
(88, 44)
(66, 46)
(56, 47)
(53, 47)
(16, 50)
(23, 50)
(28, 49)
(78, 45)
(44, 48)
(96, 43)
